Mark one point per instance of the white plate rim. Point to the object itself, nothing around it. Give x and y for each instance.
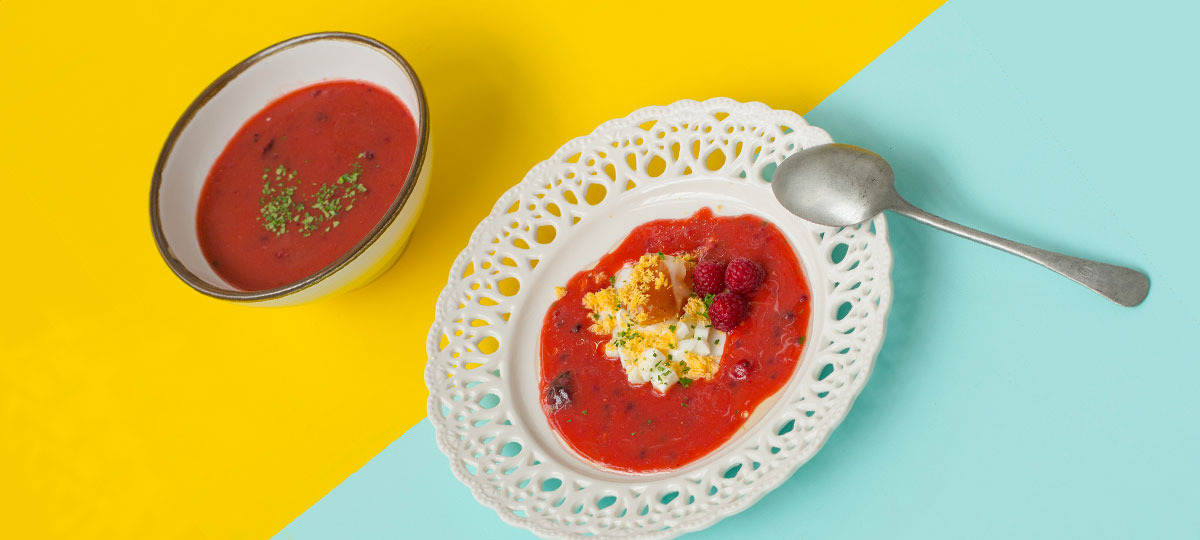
(879, 255)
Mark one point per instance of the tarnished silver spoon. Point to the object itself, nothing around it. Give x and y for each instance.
(840, 185)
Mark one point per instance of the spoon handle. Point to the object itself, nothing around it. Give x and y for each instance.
(1122, 285)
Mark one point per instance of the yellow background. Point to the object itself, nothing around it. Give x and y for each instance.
(131, 406)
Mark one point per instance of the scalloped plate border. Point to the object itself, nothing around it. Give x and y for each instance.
(452, 344)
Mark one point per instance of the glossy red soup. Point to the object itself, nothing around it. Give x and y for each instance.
(634, 428)
(303, 182)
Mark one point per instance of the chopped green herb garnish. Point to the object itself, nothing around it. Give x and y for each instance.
(327, 203)
(672, 327)
(662, 256)
(686, 382)
(612, 279)
(708, 300)
(278, 205)
(800, 340)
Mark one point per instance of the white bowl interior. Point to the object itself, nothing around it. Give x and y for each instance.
(203, 139)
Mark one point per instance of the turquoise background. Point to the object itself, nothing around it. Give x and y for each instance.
(1007, 401)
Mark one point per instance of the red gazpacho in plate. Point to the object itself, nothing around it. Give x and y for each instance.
(303, 181)
(658, 354)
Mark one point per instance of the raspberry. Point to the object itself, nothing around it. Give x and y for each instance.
(743, 275)
(708, 277)
(727, 311)
(740, 370)
(558, 396)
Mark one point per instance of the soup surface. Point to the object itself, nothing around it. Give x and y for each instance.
(303, 181)
(588, 395)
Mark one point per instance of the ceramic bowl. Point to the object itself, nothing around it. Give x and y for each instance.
(200, 135)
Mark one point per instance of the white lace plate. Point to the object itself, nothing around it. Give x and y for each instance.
(659, 162)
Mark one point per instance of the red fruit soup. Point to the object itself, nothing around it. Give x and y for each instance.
(586, 394)
(303, 181)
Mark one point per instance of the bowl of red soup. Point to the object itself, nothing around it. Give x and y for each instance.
(640, 340)
(298, 173)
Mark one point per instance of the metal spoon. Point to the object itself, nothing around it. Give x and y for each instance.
(840, 185)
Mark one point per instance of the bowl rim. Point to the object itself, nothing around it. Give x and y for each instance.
(414, 172)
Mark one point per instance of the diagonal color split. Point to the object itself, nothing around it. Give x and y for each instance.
(1007, 402)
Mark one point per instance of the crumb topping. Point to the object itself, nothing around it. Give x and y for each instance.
(694, 310)
(604, 305)
(699, 366)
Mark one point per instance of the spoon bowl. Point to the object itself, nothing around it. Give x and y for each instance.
(840, 185)
(837, 185)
